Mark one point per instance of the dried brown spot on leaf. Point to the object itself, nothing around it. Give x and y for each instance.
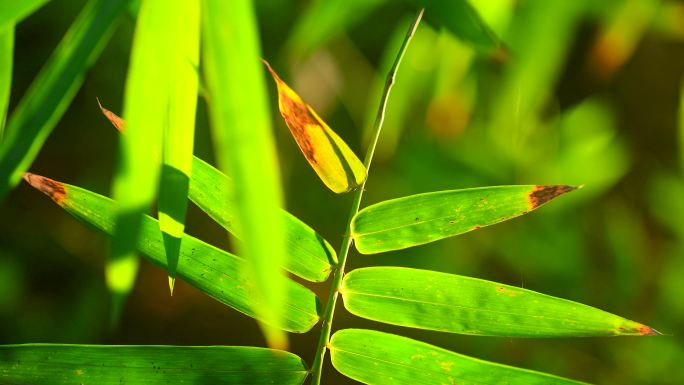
(543, 194)
(116, 121)
(47, 186)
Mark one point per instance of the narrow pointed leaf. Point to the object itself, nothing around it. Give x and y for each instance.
(12, 12)
(179, 133)
(146, 109)
(377, 358)
(211, 270)
(308, 255)
(52, 90)
(332, 159)
(6, 61)
(245, 147)
(431, 300)
(418, 219)
(57, 364)
(461, 19)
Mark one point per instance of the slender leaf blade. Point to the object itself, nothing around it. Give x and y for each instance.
(418, 219)
(332, 159)
(12, 12)
(245, 148)
(308, 255)
(48, 364)
(461, 19)
(6, 61)
(377, 358)
(52, 90)
(431, 300)
(211, 270)
(179, 133)
(146, 108)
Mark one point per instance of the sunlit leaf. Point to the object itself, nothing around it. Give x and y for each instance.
(376, 358)
(427, 299)
(52, 90)
(422, 218)
(461, 19)
(6, 61)
(245, 148)
(179, 133)
(334, 162)
(211, 270)
(146, 109)
(12, 12)
(308, 255)
(53, 364)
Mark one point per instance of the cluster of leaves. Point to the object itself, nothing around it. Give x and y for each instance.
(160, 111)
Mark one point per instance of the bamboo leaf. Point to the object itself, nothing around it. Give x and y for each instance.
(334, 162)
(146, 109)
(211, 270)
(6, 61)
(12, 12)
(52, 90)
(452, 303)
(179, 133)
(461, 19)
(418, 219)
(376, 358)
(241, 123)
(308, 255)
(48, 364)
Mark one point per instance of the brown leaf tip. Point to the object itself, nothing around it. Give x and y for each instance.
(116, 121)
(543, 194)
(648, 331)
(47, 186)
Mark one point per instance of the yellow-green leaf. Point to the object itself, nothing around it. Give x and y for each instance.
(418, 219)
(58, 364)
(332, 159)
(377, 358)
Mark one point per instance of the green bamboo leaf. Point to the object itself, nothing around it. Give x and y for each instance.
(241, 124)
(6, 61)
(427, 299)
(53, 364)
(52, 90)
(308, 255)
(211, 270)
(12, 12)
(179, 133)
(146, 109)
(461, 19)
(418, 219)
(377, 358)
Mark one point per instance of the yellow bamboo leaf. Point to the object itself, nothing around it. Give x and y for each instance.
(332, 159)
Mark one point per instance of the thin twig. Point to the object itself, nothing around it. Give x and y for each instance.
(338, 273)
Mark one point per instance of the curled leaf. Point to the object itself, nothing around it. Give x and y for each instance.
(332, 159)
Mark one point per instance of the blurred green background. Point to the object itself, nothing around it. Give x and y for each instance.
(579, 93)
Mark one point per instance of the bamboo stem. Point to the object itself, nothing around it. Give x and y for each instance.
(338, 273)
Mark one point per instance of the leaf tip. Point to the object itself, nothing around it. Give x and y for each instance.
(172, 283)
(116, 121)
(545, 193)
(645, 330)
(55, 190)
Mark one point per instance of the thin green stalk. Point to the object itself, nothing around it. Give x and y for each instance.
(338, 272)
